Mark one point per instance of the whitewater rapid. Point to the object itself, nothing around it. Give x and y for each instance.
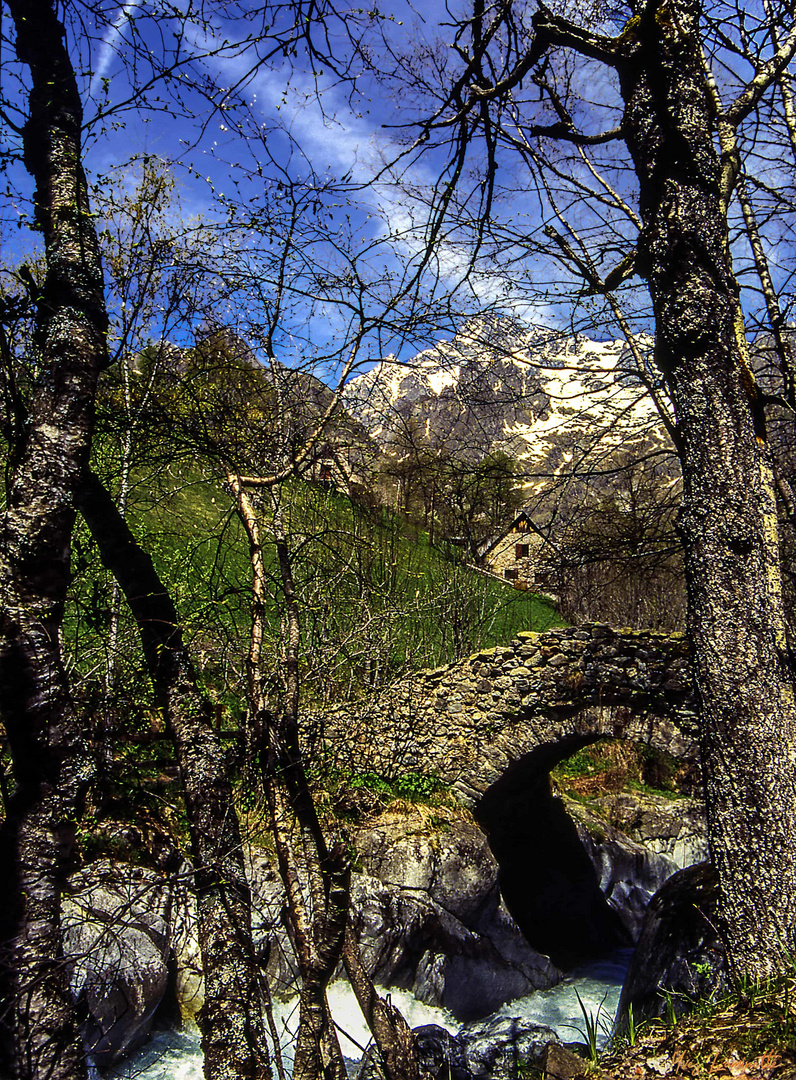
(175, 1054)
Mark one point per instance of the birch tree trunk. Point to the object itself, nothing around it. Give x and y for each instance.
(51, 760)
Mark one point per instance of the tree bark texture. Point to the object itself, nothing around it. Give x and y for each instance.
(231, 1020)
(742, 661)
(51, 759)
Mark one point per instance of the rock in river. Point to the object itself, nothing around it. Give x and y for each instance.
(116, 944)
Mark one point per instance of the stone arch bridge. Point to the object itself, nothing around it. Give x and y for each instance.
(493, 725)
(532, 702)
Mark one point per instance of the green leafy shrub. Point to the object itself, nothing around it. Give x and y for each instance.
(410, 787)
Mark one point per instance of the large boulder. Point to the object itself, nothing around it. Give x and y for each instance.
(441, 1056)
(679, 957)
(189, 983)
(441, 853)
(409, 940)
(433, 920)
(427, 908)
(502, 1048)
(505, 1047)
(270, 925)
(116, 945)
(628, 873)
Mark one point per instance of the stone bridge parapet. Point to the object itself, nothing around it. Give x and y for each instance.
(546, 694)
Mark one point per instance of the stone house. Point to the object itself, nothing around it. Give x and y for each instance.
(513, 553)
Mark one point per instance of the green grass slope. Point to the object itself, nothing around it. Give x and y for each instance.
(375, 602)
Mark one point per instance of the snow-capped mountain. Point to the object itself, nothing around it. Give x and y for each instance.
(547, 400)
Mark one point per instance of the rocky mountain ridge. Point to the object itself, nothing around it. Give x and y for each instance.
(547, 400)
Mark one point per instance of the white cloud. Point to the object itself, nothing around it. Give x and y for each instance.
(108, 46)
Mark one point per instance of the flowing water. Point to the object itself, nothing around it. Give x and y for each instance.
(175, 1055)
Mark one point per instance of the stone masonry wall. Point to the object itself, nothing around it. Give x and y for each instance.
(471, 721)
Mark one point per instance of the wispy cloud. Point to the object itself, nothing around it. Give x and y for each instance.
(108, 47)
(334, 139)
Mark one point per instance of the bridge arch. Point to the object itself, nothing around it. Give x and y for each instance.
(548, 879)
(494, 725)
(472, 721)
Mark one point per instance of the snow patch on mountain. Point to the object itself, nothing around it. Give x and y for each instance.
(547, 400)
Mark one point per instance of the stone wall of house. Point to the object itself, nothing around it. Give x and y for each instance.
(515, 556)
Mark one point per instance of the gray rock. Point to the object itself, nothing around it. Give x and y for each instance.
(441, 1057)
(116, 944)
(410, 941)
(441, 1054)
(444, 855)
(679, 956)
(122, 921)
(629, 874)
(436, 923)
(561, 1063)
(675, 828)
(499, 1048)
(269, 923)
(428, 913)
(189, 985)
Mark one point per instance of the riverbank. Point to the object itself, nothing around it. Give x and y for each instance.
(749, 1035)
(518, 1029)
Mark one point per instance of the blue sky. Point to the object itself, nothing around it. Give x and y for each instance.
(237, 102)
(239, 118)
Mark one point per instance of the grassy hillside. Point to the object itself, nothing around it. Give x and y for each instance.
(375, 603)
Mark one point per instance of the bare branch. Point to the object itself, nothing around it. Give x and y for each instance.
(765, 77)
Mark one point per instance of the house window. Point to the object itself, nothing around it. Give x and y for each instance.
(511, 573)
(521, 551)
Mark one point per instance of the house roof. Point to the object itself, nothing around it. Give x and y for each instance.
(487, 545)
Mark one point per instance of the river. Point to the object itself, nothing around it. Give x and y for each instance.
(175, 1055)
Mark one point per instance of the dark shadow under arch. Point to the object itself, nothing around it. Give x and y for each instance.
(547, 879)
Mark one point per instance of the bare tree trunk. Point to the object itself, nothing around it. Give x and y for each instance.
(51, 759)
(729, 519)
(231, 1020)
(391, 1033)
